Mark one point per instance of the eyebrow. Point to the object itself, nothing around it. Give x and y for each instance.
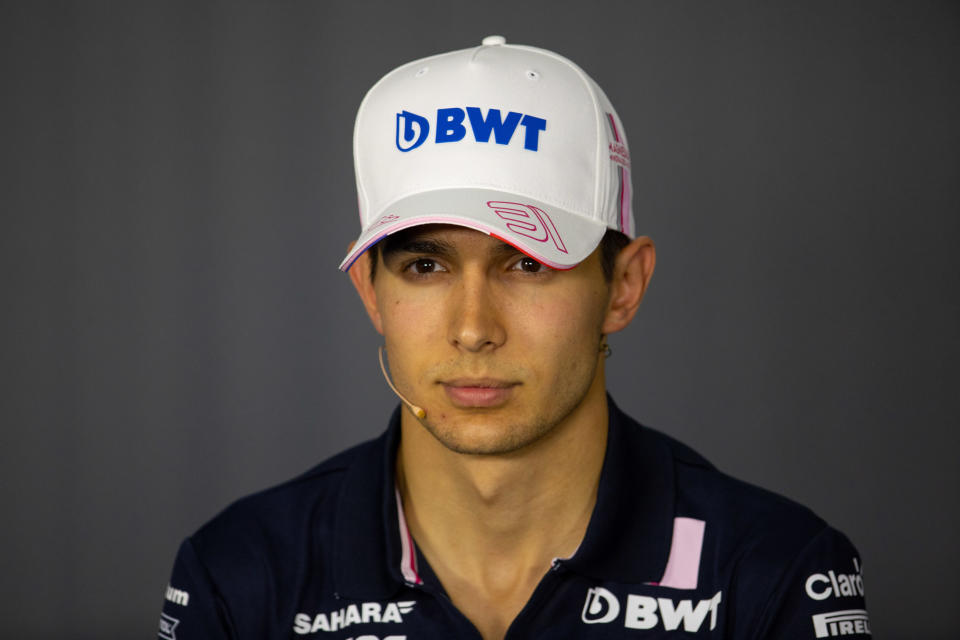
(504, 249)
(425, 245)
(429, 246)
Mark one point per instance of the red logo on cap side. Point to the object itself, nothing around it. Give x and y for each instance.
(528, 221)
(387, 219)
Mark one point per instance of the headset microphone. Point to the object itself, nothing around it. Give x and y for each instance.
(417, 411)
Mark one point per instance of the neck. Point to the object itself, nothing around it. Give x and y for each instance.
(499, 520)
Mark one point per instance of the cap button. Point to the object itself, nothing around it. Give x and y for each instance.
(492, 40)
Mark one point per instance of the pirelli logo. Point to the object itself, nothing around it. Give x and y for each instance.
(841, 623)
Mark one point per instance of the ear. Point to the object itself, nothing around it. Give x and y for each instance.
(631, 276)
(360, 276)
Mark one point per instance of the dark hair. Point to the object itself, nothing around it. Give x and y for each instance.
(611, 245)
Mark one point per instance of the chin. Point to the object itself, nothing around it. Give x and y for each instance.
(481, 435)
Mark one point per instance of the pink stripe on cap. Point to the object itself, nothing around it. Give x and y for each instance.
(625, 217)
(683, 565)
(613, 125)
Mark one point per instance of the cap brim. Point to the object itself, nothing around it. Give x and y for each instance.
(550, 235)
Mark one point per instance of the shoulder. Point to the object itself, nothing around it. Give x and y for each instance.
(278, 528)
(316, 484)
(785, 570)
(743, 515)
(259, 549)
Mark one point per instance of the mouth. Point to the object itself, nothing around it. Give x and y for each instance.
(469, 393)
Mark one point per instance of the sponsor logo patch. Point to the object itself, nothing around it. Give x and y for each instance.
(619, 154)
(646, 612)
(821, 586)
(168, 625)
(177, 596)
(529, 221)
(841, 623)
(601, 606)
(387, 219)
(451, 123)
(365, 613)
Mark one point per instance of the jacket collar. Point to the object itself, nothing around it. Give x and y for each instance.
(367, 542)
(627, 540)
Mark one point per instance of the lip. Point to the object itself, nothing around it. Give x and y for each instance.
(466, 393)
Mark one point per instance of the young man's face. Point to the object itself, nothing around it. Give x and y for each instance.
(496, 347)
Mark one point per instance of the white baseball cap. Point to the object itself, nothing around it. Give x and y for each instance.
(510, 140)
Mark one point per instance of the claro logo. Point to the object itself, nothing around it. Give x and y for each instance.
(646, 612)
(832, 584)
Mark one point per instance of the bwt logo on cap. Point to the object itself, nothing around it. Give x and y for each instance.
(413, 129)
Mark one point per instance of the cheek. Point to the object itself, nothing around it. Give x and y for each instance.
(405, 315)
(410, 328)
(560, 329)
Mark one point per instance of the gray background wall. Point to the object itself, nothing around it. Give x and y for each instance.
(177, 190)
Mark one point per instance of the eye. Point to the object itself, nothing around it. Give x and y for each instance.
(528, 265)
(424, 265)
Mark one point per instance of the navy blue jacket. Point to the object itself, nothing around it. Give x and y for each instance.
(674, 549)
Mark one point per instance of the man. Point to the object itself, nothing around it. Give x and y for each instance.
(509, 497)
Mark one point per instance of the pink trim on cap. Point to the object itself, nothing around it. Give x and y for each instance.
(471, 224)
(683, 565)
(408, 555)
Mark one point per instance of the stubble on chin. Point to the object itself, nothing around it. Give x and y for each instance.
(471, 437)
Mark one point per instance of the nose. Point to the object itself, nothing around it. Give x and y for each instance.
(475, 322)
